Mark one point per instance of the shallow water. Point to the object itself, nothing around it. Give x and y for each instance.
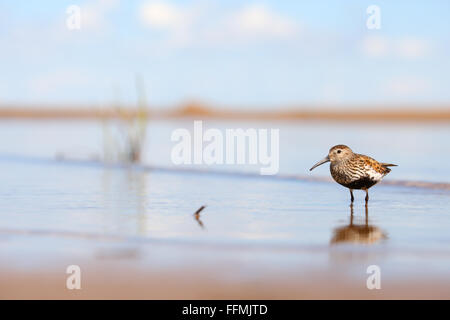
(421, 150)
(55, 210)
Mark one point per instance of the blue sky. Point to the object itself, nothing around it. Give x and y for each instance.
(241, 54)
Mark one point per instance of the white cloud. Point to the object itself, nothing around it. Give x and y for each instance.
(377, 46)
(258, 20)
(177, 21)
(412, 48)
(94, 14)
(407, 86)
(199, 24)
(49, 82)
(163, 15)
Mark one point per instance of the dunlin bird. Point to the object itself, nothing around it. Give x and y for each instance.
(354, 171)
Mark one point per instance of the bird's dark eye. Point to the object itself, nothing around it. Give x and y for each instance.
(339, 151)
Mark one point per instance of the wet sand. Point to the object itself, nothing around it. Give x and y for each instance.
(115, 267)
(124, 281)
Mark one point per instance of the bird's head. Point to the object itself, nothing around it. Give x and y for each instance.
(337, 153)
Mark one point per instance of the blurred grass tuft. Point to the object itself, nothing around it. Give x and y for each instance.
(124, 136)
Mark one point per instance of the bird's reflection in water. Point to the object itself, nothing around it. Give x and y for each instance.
(358, 233)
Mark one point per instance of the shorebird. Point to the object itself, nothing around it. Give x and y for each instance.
(354, 171)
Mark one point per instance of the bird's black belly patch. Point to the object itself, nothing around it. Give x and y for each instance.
(362, 183)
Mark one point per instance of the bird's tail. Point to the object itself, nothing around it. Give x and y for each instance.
(388, 165)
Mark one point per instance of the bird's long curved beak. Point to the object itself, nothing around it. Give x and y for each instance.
(324, 160)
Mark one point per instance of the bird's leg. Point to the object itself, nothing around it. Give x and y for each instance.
(352, 198)
(351, 214)
(367, 216)
(367, 196)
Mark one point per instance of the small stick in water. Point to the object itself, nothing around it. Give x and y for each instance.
(197, 216)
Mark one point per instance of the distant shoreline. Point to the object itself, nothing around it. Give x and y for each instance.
(200, 112)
